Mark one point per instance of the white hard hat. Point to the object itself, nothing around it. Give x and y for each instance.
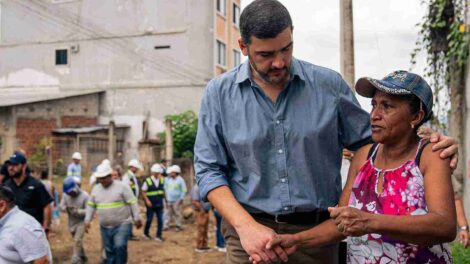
(134, 163)
(156, 168)
(106, 161)
(174, 168)
(77, 156)
(103, 170)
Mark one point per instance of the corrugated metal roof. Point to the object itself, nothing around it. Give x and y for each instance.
(18, 96)
(82, 130)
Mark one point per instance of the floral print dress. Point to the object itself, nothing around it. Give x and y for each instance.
(403, 194)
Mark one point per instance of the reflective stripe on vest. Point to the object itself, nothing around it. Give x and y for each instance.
(111, 205)
(74, 174)
(149, 182)
(155, 193)
(107, 205)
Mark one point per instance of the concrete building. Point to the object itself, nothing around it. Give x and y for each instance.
(150, 57)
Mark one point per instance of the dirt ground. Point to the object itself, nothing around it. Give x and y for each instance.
(178, 247)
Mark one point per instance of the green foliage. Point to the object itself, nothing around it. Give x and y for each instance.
(460, 254)
(184, 129)
(38, 160)
(444, 39)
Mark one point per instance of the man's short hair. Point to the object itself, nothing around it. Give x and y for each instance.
(264, 19)
(7, 195)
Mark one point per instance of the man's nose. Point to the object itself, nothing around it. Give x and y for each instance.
(278, 61)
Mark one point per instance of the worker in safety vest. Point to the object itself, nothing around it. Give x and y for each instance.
(153, 192)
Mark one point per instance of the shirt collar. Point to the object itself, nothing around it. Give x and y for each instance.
(244, 71)
(4, 219)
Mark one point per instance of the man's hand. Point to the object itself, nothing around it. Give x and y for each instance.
(463, 238)
(254, 238)
(138, 224)
(287, 241)
(347, 154)
(349, 221)
(148, 203)
(87, 227)
(447, 145)
(41, 260)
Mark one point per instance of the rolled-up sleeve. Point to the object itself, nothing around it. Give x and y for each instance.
(354, 122)
(210, 154)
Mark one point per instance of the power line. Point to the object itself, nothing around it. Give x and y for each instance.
(63, 18)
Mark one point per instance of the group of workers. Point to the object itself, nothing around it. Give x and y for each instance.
(115, 200)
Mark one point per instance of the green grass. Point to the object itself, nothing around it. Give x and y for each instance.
(460, 254)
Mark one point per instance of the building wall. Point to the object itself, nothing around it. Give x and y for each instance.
(114, 48)
(228, 33)
(78, 121)
(23, 126)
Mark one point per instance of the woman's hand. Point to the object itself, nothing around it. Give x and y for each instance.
(350, 221)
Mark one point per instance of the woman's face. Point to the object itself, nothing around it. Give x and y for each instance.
(390, 117)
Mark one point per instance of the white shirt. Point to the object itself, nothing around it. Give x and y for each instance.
(22, 239)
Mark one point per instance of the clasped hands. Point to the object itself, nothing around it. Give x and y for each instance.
(265, 246)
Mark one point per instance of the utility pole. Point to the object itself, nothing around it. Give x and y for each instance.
(169, 141)
(347, 41)
(111, 141)
(347, 70)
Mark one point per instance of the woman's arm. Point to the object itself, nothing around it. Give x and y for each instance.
(437, 226)
(327, 232)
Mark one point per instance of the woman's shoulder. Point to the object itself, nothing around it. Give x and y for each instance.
(363, 153)
(429, 157)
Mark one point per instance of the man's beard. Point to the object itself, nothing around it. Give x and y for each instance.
(274, 80)
(17, 174)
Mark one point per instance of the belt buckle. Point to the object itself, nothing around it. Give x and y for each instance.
(277, 221)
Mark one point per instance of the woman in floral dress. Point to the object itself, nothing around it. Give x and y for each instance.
(397, 205)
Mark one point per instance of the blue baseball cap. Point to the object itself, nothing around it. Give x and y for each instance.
(17, 158)
(399, 83)
(69, 185)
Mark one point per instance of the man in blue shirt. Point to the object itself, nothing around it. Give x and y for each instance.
(270, 138)
(75, 169)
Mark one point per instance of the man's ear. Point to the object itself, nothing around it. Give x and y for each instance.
(243, 46)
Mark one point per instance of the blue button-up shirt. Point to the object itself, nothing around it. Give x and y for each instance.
(278, 157)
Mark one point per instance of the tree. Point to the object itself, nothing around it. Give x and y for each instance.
(184, 129)
(445, 41)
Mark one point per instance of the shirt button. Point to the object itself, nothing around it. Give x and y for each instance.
(280, 151)
(278, 122)
(283, 180)
(286, 208)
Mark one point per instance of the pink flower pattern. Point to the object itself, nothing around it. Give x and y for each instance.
(403, 194)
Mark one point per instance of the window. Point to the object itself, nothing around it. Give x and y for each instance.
(236, 14)
(236, 58)
(220, 53)
(61, 57)
(221, 6)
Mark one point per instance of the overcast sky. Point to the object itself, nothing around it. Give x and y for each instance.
(385, 33)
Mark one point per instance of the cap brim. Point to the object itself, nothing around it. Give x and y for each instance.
(367, 86)
(102, 176)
